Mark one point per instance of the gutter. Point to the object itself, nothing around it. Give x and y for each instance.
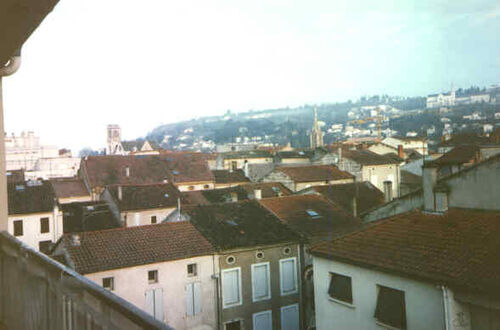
(446, 305)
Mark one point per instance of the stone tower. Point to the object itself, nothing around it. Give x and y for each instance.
(316, 137)
(113, 141)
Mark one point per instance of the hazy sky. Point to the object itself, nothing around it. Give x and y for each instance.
(146, 62)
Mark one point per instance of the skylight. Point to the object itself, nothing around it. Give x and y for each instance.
(313, 214)
(231, 222)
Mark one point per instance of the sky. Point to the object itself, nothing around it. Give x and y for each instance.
(140, 64)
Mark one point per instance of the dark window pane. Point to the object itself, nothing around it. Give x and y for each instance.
(153, 219)
(108, 283)
(390, 308)
(233, 325)
(44, 246)
(18, 228)
(44, 225)
(340, 287)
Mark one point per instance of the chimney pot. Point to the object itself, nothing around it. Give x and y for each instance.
(127, 171)
(120, 193)
(429, 180)
(401, 153)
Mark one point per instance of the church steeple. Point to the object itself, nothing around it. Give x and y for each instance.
(316, 137)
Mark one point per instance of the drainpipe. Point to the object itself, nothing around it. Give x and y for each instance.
(446, 305)
(7, 70)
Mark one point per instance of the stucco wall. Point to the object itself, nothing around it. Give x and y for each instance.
(380, 173)
(143, 217)
(303, 185)
(132, 283)
(192, 187)
(240, 162)
(244, 260)
(31, 227)
(424, 302)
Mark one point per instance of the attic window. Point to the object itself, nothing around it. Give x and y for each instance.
(175, 172)
(313, 214)
(276, 189)
(166, 195)
(20, 187)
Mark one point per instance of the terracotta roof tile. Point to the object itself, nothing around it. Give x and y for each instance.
(460, 155)
(69, 187)
(459, 248)
(141, 197)
(226, 176)
(30, 197)
(188, 167)
(366, 157)
(314, 173)
(133, 246)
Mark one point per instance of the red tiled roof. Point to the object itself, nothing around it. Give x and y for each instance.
(141, 197)
(314, 173)
(226, 176)
(366, 157)
(133, 246)
(188, 167)
(69, 187)
(459, 248)
(460, 155)
(332, 220)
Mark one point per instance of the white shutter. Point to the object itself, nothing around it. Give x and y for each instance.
(288, 276)
(290, 317)
(150, 302)
(159, 304)
(136, 219)
(263, 321)
(189, 300)
(197, 298)
(230, 287)
(260, 281)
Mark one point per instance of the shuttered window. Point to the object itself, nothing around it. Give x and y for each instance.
(193, 299)
(154, 303)
(288, 276)
(290, 317)
(263, 321)
(231, 291)
(391, 308)
(261, 289)
(340, 287)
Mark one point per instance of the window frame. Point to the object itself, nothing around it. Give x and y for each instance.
(42, 220)
(153, 219)
(268, 270)
(254, 315)
(296, 290)
(21, 223)
(233, 321)
(48, 242)
(112, 279)
(155, 277)
(195, 273)
(384, 322)
(240, 300)
(339, 299)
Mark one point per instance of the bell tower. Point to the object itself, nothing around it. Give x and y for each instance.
(113, 141)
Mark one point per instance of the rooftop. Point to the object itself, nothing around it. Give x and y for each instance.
(133, 246)
(460, 155)
(142, 197)
(246, 154)
(69, 187)
(366, 157)
(226, 176)
(313, 173)
(459, 248)
(240, 225)
(30, 197)
(187, 167)
(312, 215)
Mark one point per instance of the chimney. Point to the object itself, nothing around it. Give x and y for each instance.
(234, 196)
(429, 179)
(127, 171)
(120, 193)
(401, 153)
(387, 191)
(75, 240)
(354, 206)
(257, 193)
(441, 199)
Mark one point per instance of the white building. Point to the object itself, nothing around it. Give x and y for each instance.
(416, 143)
(165, 270)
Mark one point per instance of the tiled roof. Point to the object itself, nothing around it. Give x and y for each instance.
(69, 187)
(110, 170)
(15, 176)
(25, 198)
(226, 176)
(408, 177)
(295, 154)
(312, 215)
(194, 197)
(133, 246)
(141, 197)
(88, 216)
(246, 154)
(342, 194)
(459, 248)
(366, 157)
(314, 173)
(239, 225)
(460, 155)
(188, 167)
(245, 192)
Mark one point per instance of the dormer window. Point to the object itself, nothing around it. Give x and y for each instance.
(313, 214)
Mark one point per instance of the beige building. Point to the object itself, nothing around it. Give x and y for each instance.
(297, 178)
(34, 216)
(417, 144)
(137, 205)
(165, 270)
(70, 190)
(239, 159)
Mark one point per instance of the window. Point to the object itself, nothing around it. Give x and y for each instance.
(313, 214)
(287, 250)
(152, 276)
(263, 321)
(193, 299)
(231, 288)
(153, 219)
(18, 227)
(261, 285)
(206, 186)
(290, 317)
(108, 283)
(230, 260)
(390, 308)
(340, 288)
(44, 246)
(288, 276)
(233, 325)
(192, 270)
(234, 165)
(44, 225)
(154, 303)
(259, 255)
(191, 188)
